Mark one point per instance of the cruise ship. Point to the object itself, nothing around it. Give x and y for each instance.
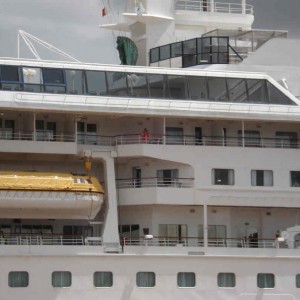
(174, 178)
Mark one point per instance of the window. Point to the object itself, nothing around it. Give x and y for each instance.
(61, 279)
(18, 279)
(186, 279)
(75, 81)
(131, 232)
(251, 138)
(197, 88)
(295, 178)
(117, 84)
(167, 177)
(54, 81)
(265, 280)
(103, 279)
(298, 281)
(173, 234)
(33, 81)
(96, 83)
(216, 235)
(10, 78)
(36, 229)
(286, 139)
(145, 279)
(261, 178)
(226, 280)
(217, 89)
(223, 176)
(174, 135)
(177, 87)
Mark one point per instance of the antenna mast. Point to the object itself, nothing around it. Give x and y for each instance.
(28, 38)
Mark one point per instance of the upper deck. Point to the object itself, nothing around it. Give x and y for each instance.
(89, 87)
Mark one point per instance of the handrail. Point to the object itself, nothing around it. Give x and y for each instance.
(219, 7)
(153, 139)
(155, 182)
(48, 239)
(199, 242)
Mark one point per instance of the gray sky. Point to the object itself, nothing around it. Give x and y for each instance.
(72, 25)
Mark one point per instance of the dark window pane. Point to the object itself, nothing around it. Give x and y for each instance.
(217, 90)
(117, 84)
(226, 280)
(154, 55)
(96, 83)
(177, 87)
(53, 76)
(257, 91)
(237, 90)
(10, 73)
(277, 97)
(197, 88)
(176, 50)
(157, 85)
(295, 178)
(103, 279)
(18, 279)
(186, 279)
(164, 52)
(265, 280)
(223, 177)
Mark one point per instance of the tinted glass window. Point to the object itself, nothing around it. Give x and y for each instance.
(197, 88)
(75, 81)
(157, 85)
(10, 73)
(96, 83)
(138, 85)
(103, 279)
(18, 279)
(165, 52)
(61, 279)
(217, 90)
(277, 97)
(176, 49)
(237, 90)
(117, 83)
(53, 76)
(154, 55)
(257, 91)
(177, 87)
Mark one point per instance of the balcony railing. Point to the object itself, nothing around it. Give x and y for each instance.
(219, 7)
(39, 135)
(155, 182)
(199, 242)
(49, 239)
(153, 139)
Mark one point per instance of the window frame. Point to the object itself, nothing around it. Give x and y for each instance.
(226, 273)
(61, 272)
(145, 272)
(19, 273)
(265, 274)
(186, 287)
(103, 273)
(215, 180)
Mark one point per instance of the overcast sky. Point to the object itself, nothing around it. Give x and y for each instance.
(72, 25)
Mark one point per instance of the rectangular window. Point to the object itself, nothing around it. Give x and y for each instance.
(197, 88)
(157, 86)
(18, 279)
(186, 279)
(130, 232)
(174, 135)
(138, 85)
(54, 81)
(75, 81)
(298, 281)
(33, 81)
(177, 87)
(61, 279)
(261, 178)
(295, 178)
(96, 83)
(145, 279)
(226, 280)
(286, 139)
(172, 234)
(223, 176)
(10, 78)
(117, 84)
(167, 177)
(217, 89)
(103, 279)
(251, 138)
(265, 280)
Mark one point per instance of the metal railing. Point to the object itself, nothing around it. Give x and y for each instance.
(219, 7)
(39, 135)
(155, 182)
(153, 139)
(199, 242)
(49, 239)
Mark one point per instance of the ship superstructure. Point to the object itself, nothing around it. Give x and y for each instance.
(134, 182)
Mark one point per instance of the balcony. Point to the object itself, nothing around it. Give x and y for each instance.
(155, 182)
(211, 6)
